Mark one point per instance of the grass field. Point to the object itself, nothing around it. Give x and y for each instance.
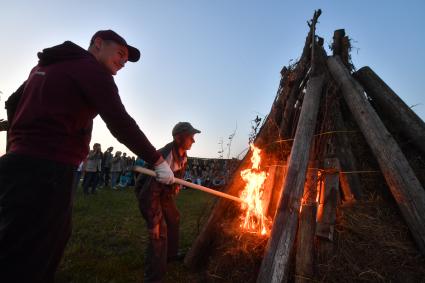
(109, 237)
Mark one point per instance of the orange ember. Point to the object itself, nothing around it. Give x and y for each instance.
(254, 219)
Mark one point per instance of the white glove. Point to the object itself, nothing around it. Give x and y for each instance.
(164, 174)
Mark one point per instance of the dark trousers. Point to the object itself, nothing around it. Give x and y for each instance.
(36, 200)
(106, 174)
(167, 245)
(90, 180)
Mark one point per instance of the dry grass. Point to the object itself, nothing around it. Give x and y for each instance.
(237, 257)
(373, 244)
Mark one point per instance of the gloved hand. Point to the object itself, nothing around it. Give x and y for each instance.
(164, 174)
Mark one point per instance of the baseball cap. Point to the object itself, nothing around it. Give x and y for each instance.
(184, 127)
(133, 52)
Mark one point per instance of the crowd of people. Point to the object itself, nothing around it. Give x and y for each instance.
(113, 170)
(105, 169)
(209, 172)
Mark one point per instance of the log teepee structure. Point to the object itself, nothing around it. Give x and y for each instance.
(309, 156)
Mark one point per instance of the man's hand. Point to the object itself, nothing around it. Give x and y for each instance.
(4, 125)
(154, 232)
(163, 173)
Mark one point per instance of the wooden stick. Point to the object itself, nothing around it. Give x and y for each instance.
(151, 173)
(313, 39)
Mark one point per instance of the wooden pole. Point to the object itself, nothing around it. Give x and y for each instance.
(277, 190)
(152, 173)
(326, 215)
(400, 116)
(301, 73)
(350, 183)
(404, 185)
(341, 45)
(275, 264)
(268, 188)
(304, 261)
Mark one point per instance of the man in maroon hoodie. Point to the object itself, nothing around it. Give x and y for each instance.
(48, 137)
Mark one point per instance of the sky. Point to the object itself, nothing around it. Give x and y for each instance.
(213, 63)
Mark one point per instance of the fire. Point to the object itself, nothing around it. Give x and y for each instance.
(254, 219)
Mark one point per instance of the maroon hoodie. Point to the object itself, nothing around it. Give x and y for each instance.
(62, 96)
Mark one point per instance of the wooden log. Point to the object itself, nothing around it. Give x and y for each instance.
(288, 113)
(404, 185)
(301, 71)
(341, 46)
(337, 41)
(268, 188)
(304, 261)
(326, 216)
(350, 183)
(277, 190)
(329, 195)
(275, 264)
(400, 117)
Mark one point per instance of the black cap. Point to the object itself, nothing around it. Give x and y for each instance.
(133, 52)
(184, 127)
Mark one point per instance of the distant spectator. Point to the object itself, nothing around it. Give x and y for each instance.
(139, 162)
(92, 170)
(124, 161)
(188, 175)
(125, 180)
(106, 166)
(116, 169)
(130, 169)
(123, 165)
(218, 181)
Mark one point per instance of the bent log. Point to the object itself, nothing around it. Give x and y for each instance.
(404, 185)
(275, 264)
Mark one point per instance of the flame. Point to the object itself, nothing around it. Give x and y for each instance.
(319, 186)
(254, 219)
(301, 204)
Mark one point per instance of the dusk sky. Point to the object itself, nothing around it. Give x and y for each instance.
(213, 63)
